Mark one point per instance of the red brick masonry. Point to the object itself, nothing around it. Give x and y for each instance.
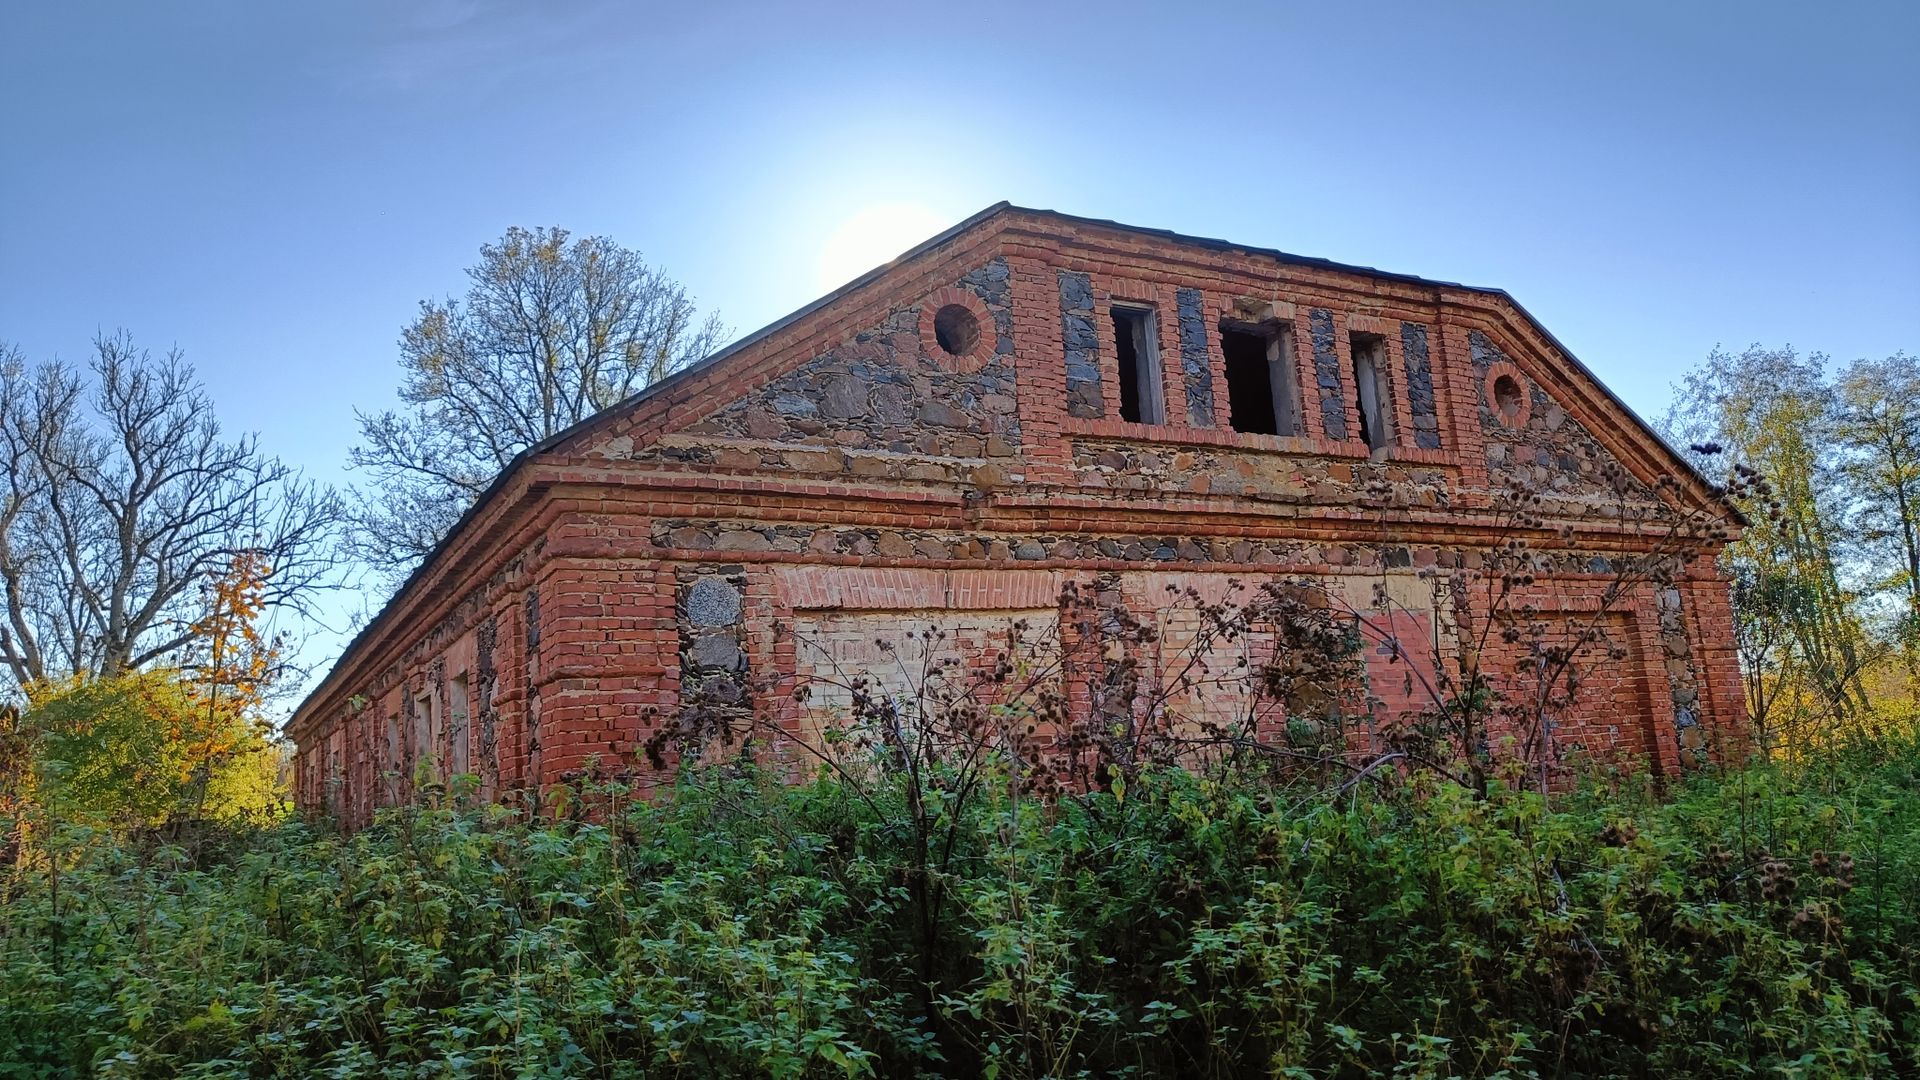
(840, 476)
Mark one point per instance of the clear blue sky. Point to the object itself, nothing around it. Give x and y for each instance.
(274, 186)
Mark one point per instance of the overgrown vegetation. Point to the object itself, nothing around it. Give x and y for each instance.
(136, 751)
(1762, 920)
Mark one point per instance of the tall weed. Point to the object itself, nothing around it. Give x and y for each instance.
(1758, 920)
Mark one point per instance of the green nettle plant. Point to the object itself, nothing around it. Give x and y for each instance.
(1759, 920)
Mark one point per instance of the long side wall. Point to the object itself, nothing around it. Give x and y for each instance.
(603, 644)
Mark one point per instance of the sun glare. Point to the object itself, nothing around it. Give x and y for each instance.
(871, 237)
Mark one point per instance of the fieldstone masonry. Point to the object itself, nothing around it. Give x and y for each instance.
(1420, 401)
(851, 475)
(1547, 448)
(1196, 371)
(713, 651)
(1081, 346)
(1327, 375)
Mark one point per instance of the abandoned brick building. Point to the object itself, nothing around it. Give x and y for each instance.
(1026, 400)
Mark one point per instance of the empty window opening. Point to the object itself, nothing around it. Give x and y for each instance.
(1506, 394)
(956, 329)
(1370, 386)
(424, 729)
(457, 755)
(1140, 395)
(1260, 380)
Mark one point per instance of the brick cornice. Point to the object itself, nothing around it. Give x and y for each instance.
(1181, 435)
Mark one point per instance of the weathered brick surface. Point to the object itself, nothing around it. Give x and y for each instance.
(846, 476)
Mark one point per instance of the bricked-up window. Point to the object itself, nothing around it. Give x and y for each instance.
(1261, 394)
(1370, 385)
(1133, 340)
(457, 753)
(336, 772)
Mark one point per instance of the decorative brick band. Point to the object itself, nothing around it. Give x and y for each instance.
(852, 588)
(985, 335)
(1240, 440)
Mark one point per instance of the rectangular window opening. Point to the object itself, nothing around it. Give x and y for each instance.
(1133, 338)
(1370, 385)
(457, 751)
(1260, 380)
(423, 728)
(393, 766)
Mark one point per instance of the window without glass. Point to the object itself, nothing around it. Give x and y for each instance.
(393, 766)
(1133, 338)
(1370, 384)
(423, 727)
(1261, 392)
(457, 758)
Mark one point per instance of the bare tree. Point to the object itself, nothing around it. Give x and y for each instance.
(549, 333)
(120, 500)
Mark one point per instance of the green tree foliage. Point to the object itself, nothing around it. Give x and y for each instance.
(144, 749)
(1826, 535)
(164, 746)
(1878, 430)
(552, 329)
(1759, 922)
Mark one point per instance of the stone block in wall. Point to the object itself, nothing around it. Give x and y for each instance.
(1196, 357)
(1080, 347)
(1326, 374)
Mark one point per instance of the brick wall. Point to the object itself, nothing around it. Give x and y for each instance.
(942, 446)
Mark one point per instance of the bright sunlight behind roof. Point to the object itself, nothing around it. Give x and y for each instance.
(871, 237)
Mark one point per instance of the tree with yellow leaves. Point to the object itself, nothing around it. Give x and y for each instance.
(139, 749)
(237, 666)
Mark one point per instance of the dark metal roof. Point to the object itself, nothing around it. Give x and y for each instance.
(939, 240)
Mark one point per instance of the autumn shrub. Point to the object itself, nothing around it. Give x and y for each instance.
(140, 749)
(1760, 920)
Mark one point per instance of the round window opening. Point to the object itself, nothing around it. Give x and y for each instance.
(1506, 395)
(956, 329)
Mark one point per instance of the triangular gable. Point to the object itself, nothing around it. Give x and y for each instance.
(885, 315)
(1567, 426)
(764, 386)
